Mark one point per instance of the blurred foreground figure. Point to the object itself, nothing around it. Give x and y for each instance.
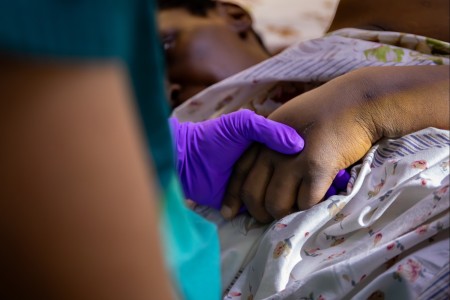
(91, 206)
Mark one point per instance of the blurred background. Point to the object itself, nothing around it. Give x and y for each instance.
(283, 22)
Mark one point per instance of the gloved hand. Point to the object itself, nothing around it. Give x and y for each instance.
(207, 151)
(339, 183)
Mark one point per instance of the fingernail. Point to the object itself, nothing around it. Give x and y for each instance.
(340, 173)
(297, 137)
(297, 142)
(226, 212)
(301, 143)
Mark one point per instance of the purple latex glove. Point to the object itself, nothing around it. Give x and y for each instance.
(339, 183)
(207, 151)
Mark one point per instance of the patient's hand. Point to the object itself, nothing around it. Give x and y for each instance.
(336, 135)
(339, 122)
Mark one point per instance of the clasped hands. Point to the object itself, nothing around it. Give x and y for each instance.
(266, 180)
(337, 123)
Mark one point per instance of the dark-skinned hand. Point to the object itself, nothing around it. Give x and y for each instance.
(339, 122)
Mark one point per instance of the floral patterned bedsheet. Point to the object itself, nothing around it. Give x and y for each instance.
(386, 238)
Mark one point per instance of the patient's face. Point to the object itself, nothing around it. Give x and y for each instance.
(202, 50)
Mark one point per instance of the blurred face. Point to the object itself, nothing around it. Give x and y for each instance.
(202, 50)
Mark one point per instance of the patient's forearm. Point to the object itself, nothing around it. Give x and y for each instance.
(406, 99)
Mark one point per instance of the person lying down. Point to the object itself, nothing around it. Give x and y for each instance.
(204, 42)
(374, 99)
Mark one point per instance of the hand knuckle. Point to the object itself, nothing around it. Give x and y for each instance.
(307, 203)
(277, 209)
(240, 170)
(247, 196)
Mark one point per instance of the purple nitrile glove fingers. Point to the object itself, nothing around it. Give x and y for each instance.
(341, 180)
(339, 183)
(256, 128)
(207, 151)
(331, 192)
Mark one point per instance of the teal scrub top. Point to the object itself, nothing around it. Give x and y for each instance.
(125, 30)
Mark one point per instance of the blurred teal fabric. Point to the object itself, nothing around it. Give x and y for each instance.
(124, 30)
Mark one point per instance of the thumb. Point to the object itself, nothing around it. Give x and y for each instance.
(277, 136)
(232, 202)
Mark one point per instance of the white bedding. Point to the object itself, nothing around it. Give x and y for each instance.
(388, 235)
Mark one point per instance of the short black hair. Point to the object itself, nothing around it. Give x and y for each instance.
(197, 7)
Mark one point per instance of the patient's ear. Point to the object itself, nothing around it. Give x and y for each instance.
(237, 17)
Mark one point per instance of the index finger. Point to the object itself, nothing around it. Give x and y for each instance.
(232, 201)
